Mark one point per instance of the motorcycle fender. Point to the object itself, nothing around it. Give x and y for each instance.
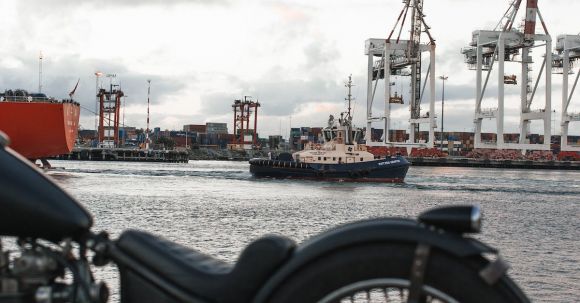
(372, 231)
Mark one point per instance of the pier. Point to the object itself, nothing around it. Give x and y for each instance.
(125, 154)
(494, 163)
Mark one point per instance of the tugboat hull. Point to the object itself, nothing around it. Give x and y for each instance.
(391, 170)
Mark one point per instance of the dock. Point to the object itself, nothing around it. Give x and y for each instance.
(493, 163)
(125, 154)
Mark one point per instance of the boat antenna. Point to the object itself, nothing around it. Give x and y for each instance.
(349, 97)
(147, 131)
(40, 72)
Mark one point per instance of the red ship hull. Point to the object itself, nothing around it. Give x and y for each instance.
(40, 129)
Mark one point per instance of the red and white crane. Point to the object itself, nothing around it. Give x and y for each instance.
(109, 114)
(506, 43)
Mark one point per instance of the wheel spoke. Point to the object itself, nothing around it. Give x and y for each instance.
(384, 291)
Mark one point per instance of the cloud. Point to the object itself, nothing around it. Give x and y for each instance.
(292, 55)
(116, 3)
(279, 97)
(218, 102)
(291, 13)
(60, 76)
(292, 22)
(321, 55)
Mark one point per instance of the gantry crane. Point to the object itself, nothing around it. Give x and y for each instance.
(567, 52)
(402, 57)
(505, 43)
(243, 110)
(109, 116)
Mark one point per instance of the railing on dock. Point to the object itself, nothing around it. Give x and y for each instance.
(123, 154)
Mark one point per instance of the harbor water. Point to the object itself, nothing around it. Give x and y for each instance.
(532, 216)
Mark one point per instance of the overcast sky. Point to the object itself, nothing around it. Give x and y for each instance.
(293, 56)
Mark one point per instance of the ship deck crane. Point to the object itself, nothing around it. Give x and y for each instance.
(504, 44)
(403, 58)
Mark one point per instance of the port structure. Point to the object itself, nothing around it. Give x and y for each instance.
(507, 44)
(147, 143)
(567, 53)
(109, 110)
(397, 57)
(243, 112)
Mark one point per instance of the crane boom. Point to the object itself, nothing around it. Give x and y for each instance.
(415, 41)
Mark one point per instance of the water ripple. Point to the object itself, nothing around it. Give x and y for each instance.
(218, 208)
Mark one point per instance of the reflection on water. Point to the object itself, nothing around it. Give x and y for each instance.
(218, 208)
(61, 177)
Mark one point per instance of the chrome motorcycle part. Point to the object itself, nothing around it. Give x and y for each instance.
(384, 290)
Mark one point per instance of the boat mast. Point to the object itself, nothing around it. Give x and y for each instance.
(349, 96)
(348, 119)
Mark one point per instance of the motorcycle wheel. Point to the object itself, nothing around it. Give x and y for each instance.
(380, 273)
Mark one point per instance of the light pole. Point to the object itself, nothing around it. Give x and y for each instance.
(442, 107)
(147, 131)
(97, 75)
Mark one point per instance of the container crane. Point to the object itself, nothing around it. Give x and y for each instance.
(503, 44)
(109, 110)
(402, 58)
(244, 136)
(567, 53)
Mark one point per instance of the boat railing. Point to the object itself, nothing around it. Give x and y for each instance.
(278, 163)
(33, 99)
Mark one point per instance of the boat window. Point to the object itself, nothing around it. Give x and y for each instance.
(356, 135)
(327, 135)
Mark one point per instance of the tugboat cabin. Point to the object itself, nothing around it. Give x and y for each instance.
(338, 147)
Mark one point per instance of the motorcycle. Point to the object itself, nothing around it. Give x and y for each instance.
(431, 259)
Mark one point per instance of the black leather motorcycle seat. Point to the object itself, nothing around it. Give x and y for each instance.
(204, 275)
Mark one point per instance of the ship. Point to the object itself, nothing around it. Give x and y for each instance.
(339, 158)
(38, 126)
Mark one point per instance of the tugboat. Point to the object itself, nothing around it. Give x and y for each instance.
(339, 158)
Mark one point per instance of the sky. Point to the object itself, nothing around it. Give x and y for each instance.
(292, 56)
